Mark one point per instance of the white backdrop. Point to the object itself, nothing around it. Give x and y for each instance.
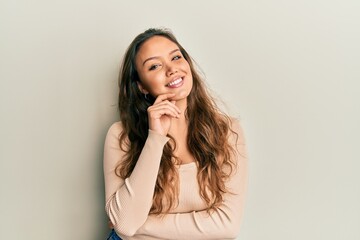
(289, 70)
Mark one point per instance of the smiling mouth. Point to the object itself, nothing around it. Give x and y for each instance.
(175, 83)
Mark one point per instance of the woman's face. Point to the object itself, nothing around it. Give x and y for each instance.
(163, 69)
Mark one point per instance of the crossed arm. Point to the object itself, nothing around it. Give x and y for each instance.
(129, 200)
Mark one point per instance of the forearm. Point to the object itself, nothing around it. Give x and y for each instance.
(195, 225)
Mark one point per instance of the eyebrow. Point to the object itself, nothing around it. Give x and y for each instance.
(151, 58)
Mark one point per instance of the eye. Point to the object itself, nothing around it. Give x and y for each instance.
(154, 66)
(177, 57)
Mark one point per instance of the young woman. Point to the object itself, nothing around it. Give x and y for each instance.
(175, 166)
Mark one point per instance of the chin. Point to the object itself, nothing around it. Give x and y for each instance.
(181, 95)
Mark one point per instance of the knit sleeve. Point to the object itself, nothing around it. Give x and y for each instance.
(128, 201)
(223, 223)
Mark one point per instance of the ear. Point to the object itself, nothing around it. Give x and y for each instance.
(142, 88)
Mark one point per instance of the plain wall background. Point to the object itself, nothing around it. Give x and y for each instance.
(289, 70)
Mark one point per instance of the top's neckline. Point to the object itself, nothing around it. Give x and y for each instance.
(187, 165)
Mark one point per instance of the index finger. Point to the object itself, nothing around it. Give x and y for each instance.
(163, 97)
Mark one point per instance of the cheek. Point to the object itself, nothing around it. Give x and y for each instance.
(188, 69)
(154, 83)
(148, 78)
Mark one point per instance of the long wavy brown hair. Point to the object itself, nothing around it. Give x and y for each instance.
(207, 139)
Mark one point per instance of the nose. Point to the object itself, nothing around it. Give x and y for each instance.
(170, 69)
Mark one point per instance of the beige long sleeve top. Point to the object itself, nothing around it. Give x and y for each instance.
(128, 201)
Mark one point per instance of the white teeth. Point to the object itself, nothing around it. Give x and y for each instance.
(175, 82)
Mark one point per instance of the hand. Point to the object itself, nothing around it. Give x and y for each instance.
(111, 226)
(161, 113)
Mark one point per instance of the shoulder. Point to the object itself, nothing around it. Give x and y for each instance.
(113, 134)
(116, 128)
(237, 131)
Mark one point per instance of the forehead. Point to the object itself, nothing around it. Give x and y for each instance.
(156, 46)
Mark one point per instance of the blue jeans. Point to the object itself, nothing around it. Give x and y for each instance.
(113, 236)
